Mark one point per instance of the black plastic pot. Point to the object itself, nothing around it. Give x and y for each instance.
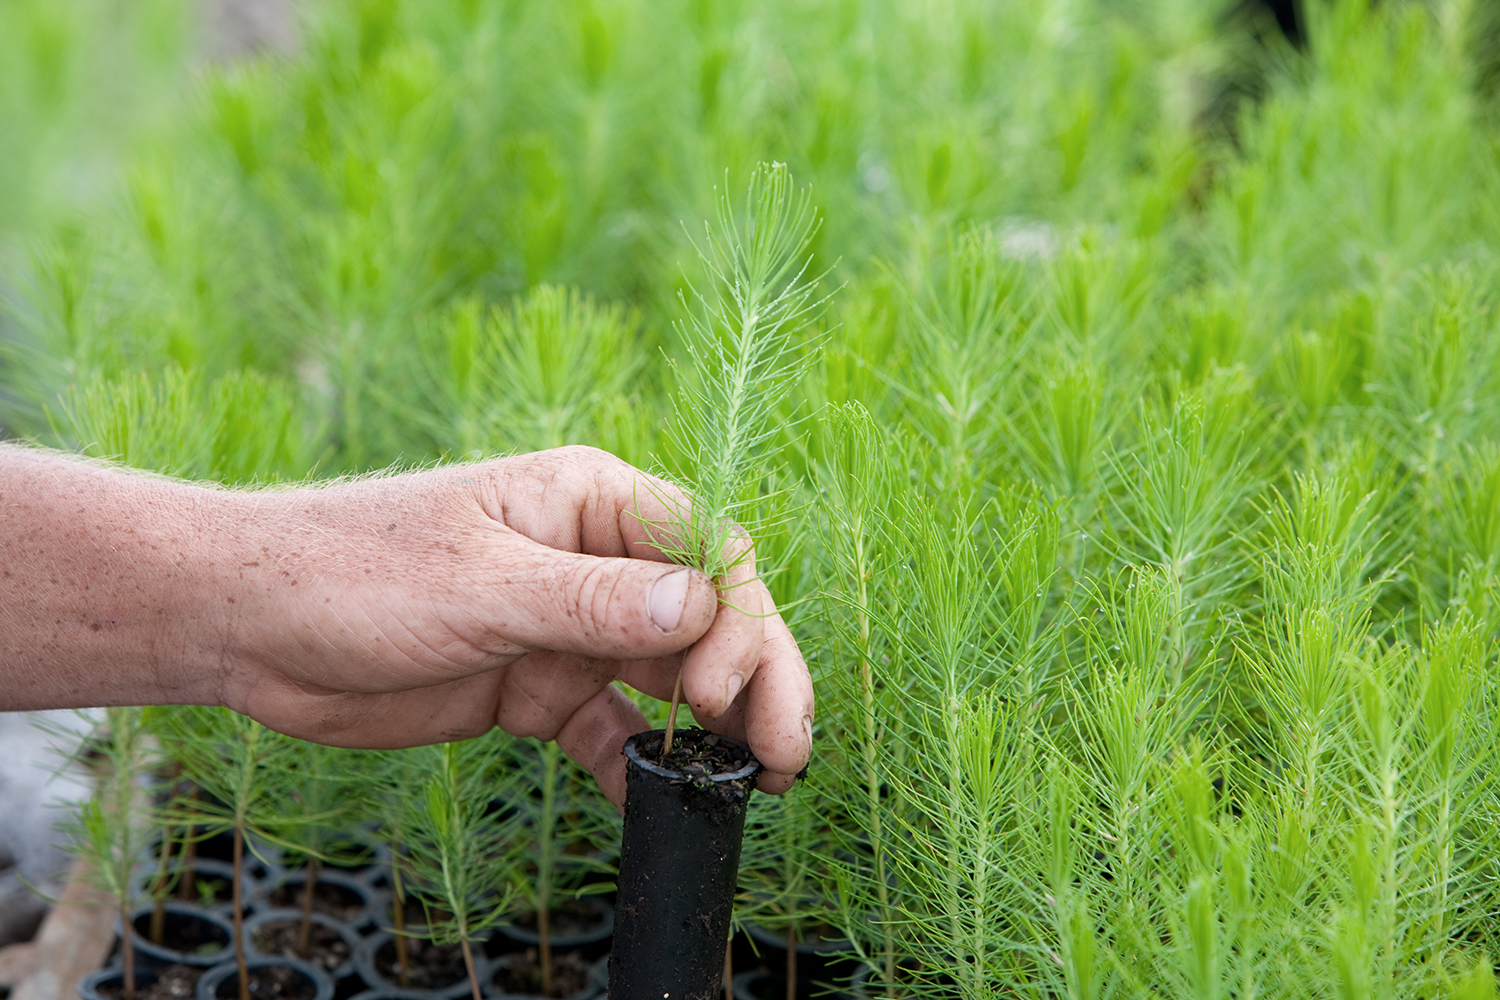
(376, 955)
(89, 985)
(679, 860)
(346, 933)
(594, 984)
(212, 880)
(819, 960)
(220, 982)
(358, 904)
(759, 984)
(593, 940)
(194, 936)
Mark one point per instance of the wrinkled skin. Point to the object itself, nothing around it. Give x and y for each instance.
(392, 611)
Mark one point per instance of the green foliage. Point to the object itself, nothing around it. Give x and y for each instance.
(458, 858)
(1144, 476)
(742, 362)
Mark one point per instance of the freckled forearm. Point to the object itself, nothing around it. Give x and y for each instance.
(111, 586)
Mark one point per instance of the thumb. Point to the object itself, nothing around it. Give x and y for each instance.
(615, 608)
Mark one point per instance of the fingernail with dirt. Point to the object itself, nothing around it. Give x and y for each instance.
(668, 595)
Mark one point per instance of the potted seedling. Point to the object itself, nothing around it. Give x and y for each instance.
(393, 775)
(322, 815)
(686, 792)
(784, 909)
(562, 923)
(107, 833)
(457, 862)
(245, 771)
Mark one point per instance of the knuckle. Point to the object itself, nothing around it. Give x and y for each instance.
(583, 454)
(590, 593)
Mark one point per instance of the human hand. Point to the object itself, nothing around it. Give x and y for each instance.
(432, 605)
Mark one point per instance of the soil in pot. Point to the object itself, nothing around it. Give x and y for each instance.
(819, 951)
(429, 966)
(519, 974)
(326, 947)
(270, 982)
(329, 898)
(173, 982)
(190, 936)
(679, 862)
(758, 984)
(569, 919)
(584, 924)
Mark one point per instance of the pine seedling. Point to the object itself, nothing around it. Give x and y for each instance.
(967, 339)
(393, 776)
(1183, 492)
(743, 361)
(540, 373)
(111, 826)
(779, 871)
(859, 481)
(322, 809)
(566, 814)
(460, 853)
(972, 765)
(247, 771)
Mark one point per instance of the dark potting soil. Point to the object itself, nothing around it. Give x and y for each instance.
(523, 974)
(270, 982)
(185, 933)
(329, 899)
(412, 913)
(325, 948)
(173, 982)
(773, 987)
(698, 756)
(428, 966)
(220, 847)
(569, 918)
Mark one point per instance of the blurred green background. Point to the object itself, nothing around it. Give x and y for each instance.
(1144, 530)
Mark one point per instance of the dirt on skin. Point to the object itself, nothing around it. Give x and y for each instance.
(428, 966)
(326, 948)
(174, 982)
(329, 899)
(521, 975)
(270, 982)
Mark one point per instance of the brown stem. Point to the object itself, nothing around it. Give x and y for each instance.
(309, 884)
(159, 889)
(666, 743)
(544, 939)
(185, 879)
(469, 965)
(239, 913)
(127, 946)
(791, 962)
(398, 920)
(729, 970)
(158, 920)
